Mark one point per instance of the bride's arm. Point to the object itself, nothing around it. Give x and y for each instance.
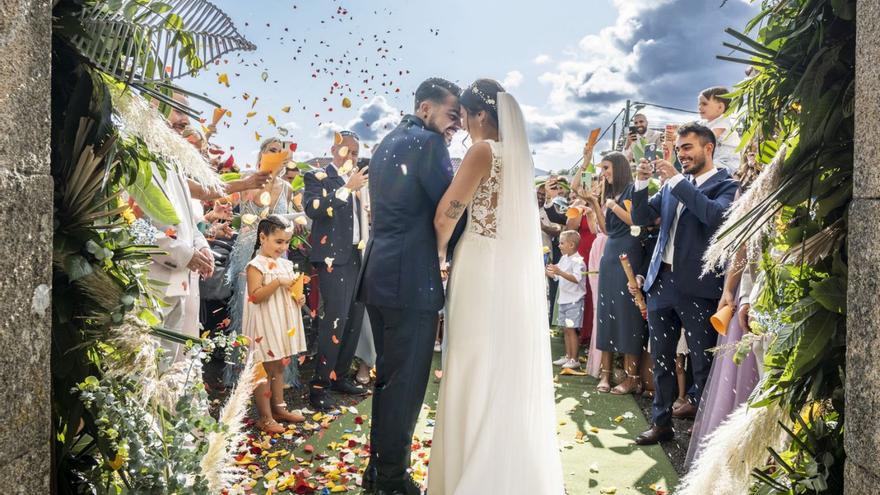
(474, 168)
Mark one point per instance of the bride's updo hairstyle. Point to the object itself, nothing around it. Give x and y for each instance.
(482, 95)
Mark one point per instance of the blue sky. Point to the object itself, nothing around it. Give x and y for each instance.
(571, 64)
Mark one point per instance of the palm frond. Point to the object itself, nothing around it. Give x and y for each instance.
(145, 41)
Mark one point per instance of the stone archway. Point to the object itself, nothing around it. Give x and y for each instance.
(862, 434)
(26, 237)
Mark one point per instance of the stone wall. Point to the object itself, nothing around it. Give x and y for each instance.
(863, 319)
(26, 240)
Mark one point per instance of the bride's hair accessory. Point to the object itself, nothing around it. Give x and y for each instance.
(484, 97)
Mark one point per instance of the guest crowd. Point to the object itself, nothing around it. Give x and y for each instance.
(668, 327)
(275, 256)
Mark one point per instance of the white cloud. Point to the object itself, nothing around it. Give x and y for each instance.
(374, 120)
(512, 80)
(646, 55)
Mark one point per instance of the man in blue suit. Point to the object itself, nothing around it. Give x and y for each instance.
(690, 208)
(332, 200)
(401, 283)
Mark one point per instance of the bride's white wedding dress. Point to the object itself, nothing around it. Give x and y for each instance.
(496, 420)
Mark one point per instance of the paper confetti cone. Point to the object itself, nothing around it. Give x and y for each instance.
(720, 319)
(218, 114)
(272, 162)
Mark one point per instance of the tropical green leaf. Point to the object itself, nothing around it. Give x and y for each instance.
(151, 199)
(144, 35)
(831, 294)
(812, 346)
(229, 177)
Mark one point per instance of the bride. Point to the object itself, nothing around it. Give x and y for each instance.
(496, 421)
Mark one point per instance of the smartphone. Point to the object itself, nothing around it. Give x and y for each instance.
(633, 129)
(363, 162)
(651, 152)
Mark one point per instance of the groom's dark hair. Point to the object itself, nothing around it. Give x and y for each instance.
(435, 89)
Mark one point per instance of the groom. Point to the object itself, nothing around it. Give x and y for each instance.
(400, 281)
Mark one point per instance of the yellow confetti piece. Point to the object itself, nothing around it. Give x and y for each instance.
(265, 198)
(337, 139)
(223, 79)
(316, 203)
(248, 218)
(343, 152)
(285, 109)
(251, 114)
(330, 211)
(291, 332)
(346, 103)
(301, 221)
(618, 419)
(362, 245)
(317, 417)
(320, 175)
(264, 213)
(271, 119)
(272, 463)
(257, 136)
(594, 430)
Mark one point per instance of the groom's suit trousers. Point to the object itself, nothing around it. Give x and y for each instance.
(404, 349)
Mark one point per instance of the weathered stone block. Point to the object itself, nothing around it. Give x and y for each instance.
(863, 340)
(25, 54)
(858, 480)
(25, 337)
(26, 475)
(866, 178)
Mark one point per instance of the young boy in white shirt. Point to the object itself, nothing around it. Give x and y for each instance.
(571, 274)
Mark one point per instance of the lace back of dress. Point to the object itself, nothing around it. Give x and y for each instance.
(484, 207)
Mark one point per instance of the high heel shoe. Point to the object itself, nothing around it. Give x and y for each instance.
(603, 388)
(635, 386)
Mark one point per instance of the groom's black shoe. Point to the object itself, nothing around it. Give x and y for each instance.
(404, 487)
(368, 482)
(345, 386)
(321, 400)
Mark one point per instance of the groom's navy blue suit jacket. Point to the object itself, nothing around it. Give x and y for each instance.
(409, 172)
